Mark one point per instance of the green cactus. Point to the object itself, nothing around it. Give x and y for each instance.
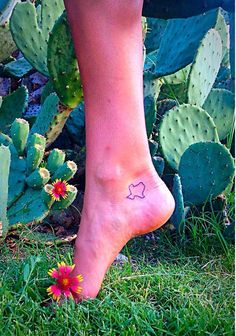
(177, 218)
(166, 9)
(220, 106)
(156, 29)
(6, 41)
(180, 42)
(6, 8)
(181, 127)
(232, 44)
(222, 29)
(150, 114)
(29, 175)
(63, 65)
(5, 157)
(17, 68)
(159, 164)
(13, 106)
(19, 134)
(163, 106)
(51, 119)
(205, 169)
(75, 125)
(205, 68)
(31, 31)
(151, 87)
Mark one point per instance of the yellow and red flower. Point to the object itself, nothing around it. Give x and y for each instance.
(65, 284)
(59, 190)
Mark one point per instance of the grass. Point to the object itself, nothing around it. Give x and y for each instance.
(168, 287)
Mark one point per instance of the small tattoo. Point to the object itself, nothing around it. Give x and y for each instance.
(136, 190)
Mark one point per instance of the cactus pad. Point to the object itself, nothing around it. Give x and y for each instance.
(6, 8)
(181, 127)
(13, 106)
(7, 43)
(5, 157)
(18, 68)
(156, 28)
(180, 42)
(179, 214)
(206, 169)
(205, 68)
(31, 31)
(150, 113)
(62, 64)
(220, 105)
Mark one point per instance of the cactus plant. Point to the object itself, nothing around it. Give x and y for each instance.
(13, 106)
(7, 43)
(4, 173)
(150, 113)
(30, 197)
(156, 29)
(209, 176)
(51, 118)
(180, 42)
(159, 164)
(177, 218)
(31, 32)
(205, 68)
(75, 125)
(6, 8)
(181, 127)
(17, 68)
(220, 106)
(166, 9)
(62, 64)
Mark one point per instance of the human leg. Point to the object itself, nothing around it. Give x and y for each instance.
(124, 196)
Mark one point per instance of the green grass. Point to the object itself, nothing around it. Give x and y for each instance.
(168, 287)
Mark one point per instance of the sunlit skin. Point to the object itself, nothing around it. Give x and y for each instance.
(107, 36)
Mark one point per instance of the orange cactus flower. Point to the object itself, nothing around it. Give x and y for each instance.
(59, 190)
(65, 284)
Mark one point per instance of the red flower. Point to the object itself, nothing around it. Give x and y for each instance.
(59, 190)
(65, 285)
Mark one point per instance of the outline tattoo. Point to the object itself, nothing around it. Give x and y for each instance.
(136, 190)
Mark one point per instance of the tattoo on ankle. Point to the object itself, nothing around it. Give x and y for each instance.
(136, 190)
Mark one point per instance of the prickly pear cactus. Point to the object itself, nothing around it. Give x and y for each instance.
(75, 125)
(34, 185)
(180, 42)
(51, 119)
(166, 9)
(205, 68)
(177, 219)
(150, 113)
(205, 169)
(181, 127)
(63, 65)
(220, 106)
(6, 8)
(17, 68)
(5, 158)
(13, 106)
(155, 31)
(31, 31)
(6, 42)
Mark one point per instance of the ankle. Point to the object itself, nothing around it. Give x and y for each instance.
(115, 179)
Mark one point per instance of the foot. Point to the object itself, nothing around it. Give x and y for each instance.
(117, 209)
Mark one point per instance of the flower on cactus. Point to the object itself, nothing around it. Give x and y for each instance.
(65, 284)
(59, 190)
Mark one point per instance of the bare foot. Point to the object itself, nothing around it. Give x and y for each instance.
(117, 209)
